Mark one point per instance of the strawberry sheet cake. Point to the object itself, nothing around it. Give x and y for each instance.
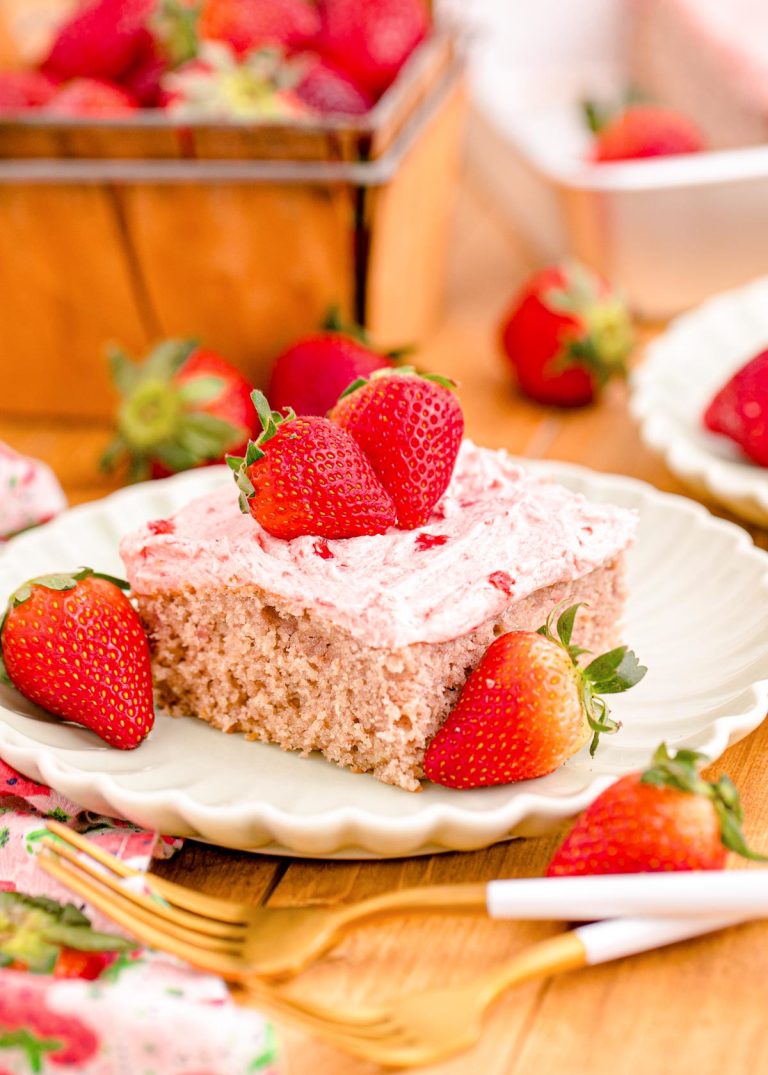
(359, 647)
(29, 492)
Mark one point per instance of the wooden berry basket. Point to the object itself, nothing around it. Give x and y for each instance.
(240, 235)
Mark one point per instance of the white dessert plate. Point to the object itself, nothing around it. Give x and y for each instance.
(683, 369)
(696, 616)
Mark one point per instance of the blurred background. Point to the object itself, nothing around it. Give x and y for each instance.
(232, 172)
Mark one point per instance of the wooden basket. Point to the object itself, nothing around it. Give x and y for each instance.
(241, 236)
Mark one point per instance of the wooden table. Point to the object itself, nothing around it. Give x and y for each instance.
(698, 1008)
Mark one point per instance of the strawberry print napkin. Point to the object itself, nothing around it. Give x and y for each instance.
(145, 1013)
(29, 492)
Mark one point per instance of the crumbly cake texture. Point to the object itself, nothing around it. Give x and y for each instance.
(240, 661)
(359, 648)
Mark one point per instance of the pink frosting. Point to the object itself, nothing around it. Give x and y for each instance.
(29, 492)
(497, 535)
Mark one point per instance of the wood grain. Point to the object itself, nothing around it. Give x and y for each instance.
(698, 1008)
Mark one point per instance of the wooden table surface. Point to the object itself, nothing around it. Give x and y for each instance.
(697, 1008)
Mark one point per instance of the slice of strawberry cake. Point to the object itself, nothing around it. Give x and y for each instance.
(358, 647)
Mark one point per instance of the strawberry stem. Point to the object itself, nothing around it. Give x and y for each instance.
(239, 465)
(681, 771)
(611, 673)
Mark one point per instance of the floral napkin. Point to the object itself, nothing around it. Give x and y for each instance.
(146, 1014)
(29, 492)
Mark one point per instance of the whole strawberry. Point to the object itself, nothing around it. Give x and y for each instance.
(251, 24)
(103, 39)
(642, 130)
(74, 644)
(371, 39)
(311, 375)
(410, 427)
(566, 334)
(306, 476)
(183, 407)
(666, 818)
(20, 90)
(91, 97)
(740, 409)
(328, 90)
(528, 707)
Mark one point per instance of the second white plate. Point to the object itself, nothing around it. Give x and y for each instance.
(696, 616)
(683, 369)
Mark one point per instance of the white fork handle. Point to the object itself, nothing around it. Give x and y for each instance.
(619, 937)
(736, 893)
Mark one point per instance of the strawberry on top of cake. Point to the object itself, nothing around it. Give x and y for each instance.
(370, 562)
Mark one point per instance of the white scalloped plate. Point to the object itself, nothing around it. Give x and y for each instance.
(696, 616)
(683, 369)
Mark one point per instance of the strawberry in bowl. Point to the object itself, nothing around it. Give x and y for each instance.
(739, 410)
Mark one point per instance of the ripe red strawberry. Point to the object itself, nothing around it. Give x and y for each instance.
(528, 707)
(565, 335)
(183, 407)
(91, 97)
(307, 476)
(20, 90)
(643, 130)
(326, 89)
(74, 644)
(666, 818)
(410, 427)
(740, 409)
(75, 963)
(311, 375)
(102, 39)
(252, 24)
(371, 39)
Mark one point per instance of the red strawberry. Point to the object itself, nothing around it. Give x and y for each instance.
(311, 375)
(74, 963)
(20, 90)
(528, 707)
(667, 818)
(252, 24)
(102, 39)
(307, 476)
(326, 89)
(643, 130)
(565, 335)
(740, 409)
(74, 644)
(183, 407)
(410, 427)
(91, 97)
(371, 39)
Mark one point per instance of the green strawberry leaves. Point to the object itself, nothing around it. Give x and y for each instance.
(401, 371)
(681, 771)
(270, 423)
(610, 673)
(159, 419)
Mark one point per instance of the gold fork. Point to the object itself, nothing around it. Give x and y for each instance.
(235, 940)
(409, 1031)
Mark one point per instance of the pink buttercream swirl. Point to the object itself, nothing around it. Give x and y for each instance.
(389, 590)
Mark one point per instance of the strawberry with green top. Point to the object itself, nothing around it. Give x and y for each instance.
(666, 818)
(640, 129)
(74, 644)
(410, 426)
(183, 407)
(305, 476)
(43, 936)
(566, 335)
(528, 707)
